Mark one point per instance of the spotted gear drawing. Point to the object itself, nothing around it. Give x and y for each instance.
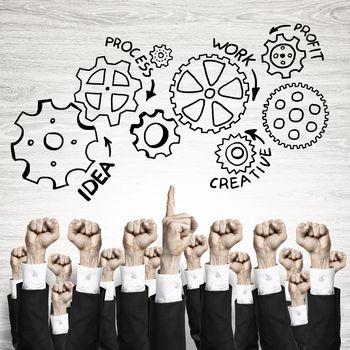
(161, 56)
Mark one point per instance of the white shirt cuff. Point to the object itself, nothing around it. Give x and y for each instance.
(133, 278)
(268, 280)
(245, 293)
(13, 286)
(286, 289)
(322, 281)
(151, 284)
(34, 276)
(298, 315)
(217, 277)
(59, 324)
(109, 287)
(89, 279)
(194, 278)
(168, 288)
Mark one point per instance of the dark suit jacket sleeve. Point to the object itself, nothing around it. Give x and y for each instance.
(167, 325)
(132, 320)
(324, 321)
(246, 333)
(273, 322)
(216, 325)
(193, 306)
(300, 335)
(33, 324)
(108, 336)
(13, 310)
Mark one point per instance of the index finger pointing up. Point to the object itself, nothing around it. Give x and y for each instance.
(170, 208)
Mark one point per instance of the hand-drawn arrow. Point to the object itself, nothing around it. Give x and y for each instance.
(254, 136)
(275, 29)
(150, 93)
(108, 144)
(256, 88)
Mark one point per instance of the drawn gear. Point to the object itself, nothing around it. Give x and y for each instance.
(235, 154)
(142, 130)
(209, 93)
(283, 56)
(161, 56)
(295, 115)
(53, 143)
(107, 89)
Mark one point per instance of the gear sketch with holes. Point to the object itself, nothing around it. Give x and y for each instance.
(155, 122)
(161, 56)
(209, 93)
(108, 89)
(295, 115)
(52, 134)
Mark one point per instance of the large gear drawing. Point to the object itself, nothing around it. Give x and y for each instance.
(295, 115)
(158, 122)
(283, 56)
(160, 56)
(107, 89)
(53, 143)
(209, 93)
(235, 154)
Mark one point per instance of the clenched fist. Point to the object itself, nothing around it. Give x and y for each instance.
(152, 261)
(198, 246)
(41, 233)
(240, 264)
(291, 260)
(299, 284)
(61, 295)
(177, 233)
(268, 236)
(61, 266)
(18, 257)
(110, 260)
(138, 235)
(86, 236)
(223, 236)
(337, 260)
(315, 239)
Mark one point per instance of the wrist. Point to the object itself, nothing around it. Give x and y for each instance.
(218, 258)
(193, 264)
(169, 265)
(320, 260)
(17, 275)
(134, 258)
(59, 309)
(266, 259)
(150, 275)
(297, 300)
(244, 279)
(107, 276)
(36, 257)
(89, 258)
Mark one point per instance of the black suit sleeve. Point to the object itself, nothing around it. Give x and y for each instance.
(108, 337)
(324, 321)
(132, 320)
(193, 306)
(167, 325)
(274, 322)
(216, 325)
(13, 311)
(300, 335)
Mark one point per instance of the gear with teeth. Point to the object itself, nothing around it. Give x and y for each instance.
(283, 56)
(161, 56)
(235, 154)
(107, 89)
(147, 134)
(57, 138)
(209, 93)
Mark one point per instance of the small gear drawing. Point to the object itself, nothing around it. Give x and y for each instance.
(295, 115)
(56, 137)
(107, 89)
(283, 56)
(235, 154)
(153, 124)
(209, 93)
(161, 56)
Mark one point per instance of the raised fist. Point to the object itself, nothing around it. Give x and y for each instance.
(240, 264)
(291, 260)
(299, 284)
(86, 236)
(61, 295)
(223, 236)
(337, 260)
(110, 260)
(61, 266)
(41, 233)
(152, 261)
(198, 246)
(18, 257)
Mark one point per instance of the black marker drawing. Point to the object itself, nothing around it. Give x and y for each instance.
(150, 93)
(209, 93)
(57, 136)
(283, 56)
(252, 133)
(108, 143)
(151, 125)
(295, 115)
(256, 88)
(161, 56)
(107, 89)
(275, 29)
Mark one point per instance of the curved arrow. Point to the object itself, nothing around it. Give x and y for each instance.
(254, 136)
(256, 88)
(108, 145)
(150, 93)
(275, 29)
